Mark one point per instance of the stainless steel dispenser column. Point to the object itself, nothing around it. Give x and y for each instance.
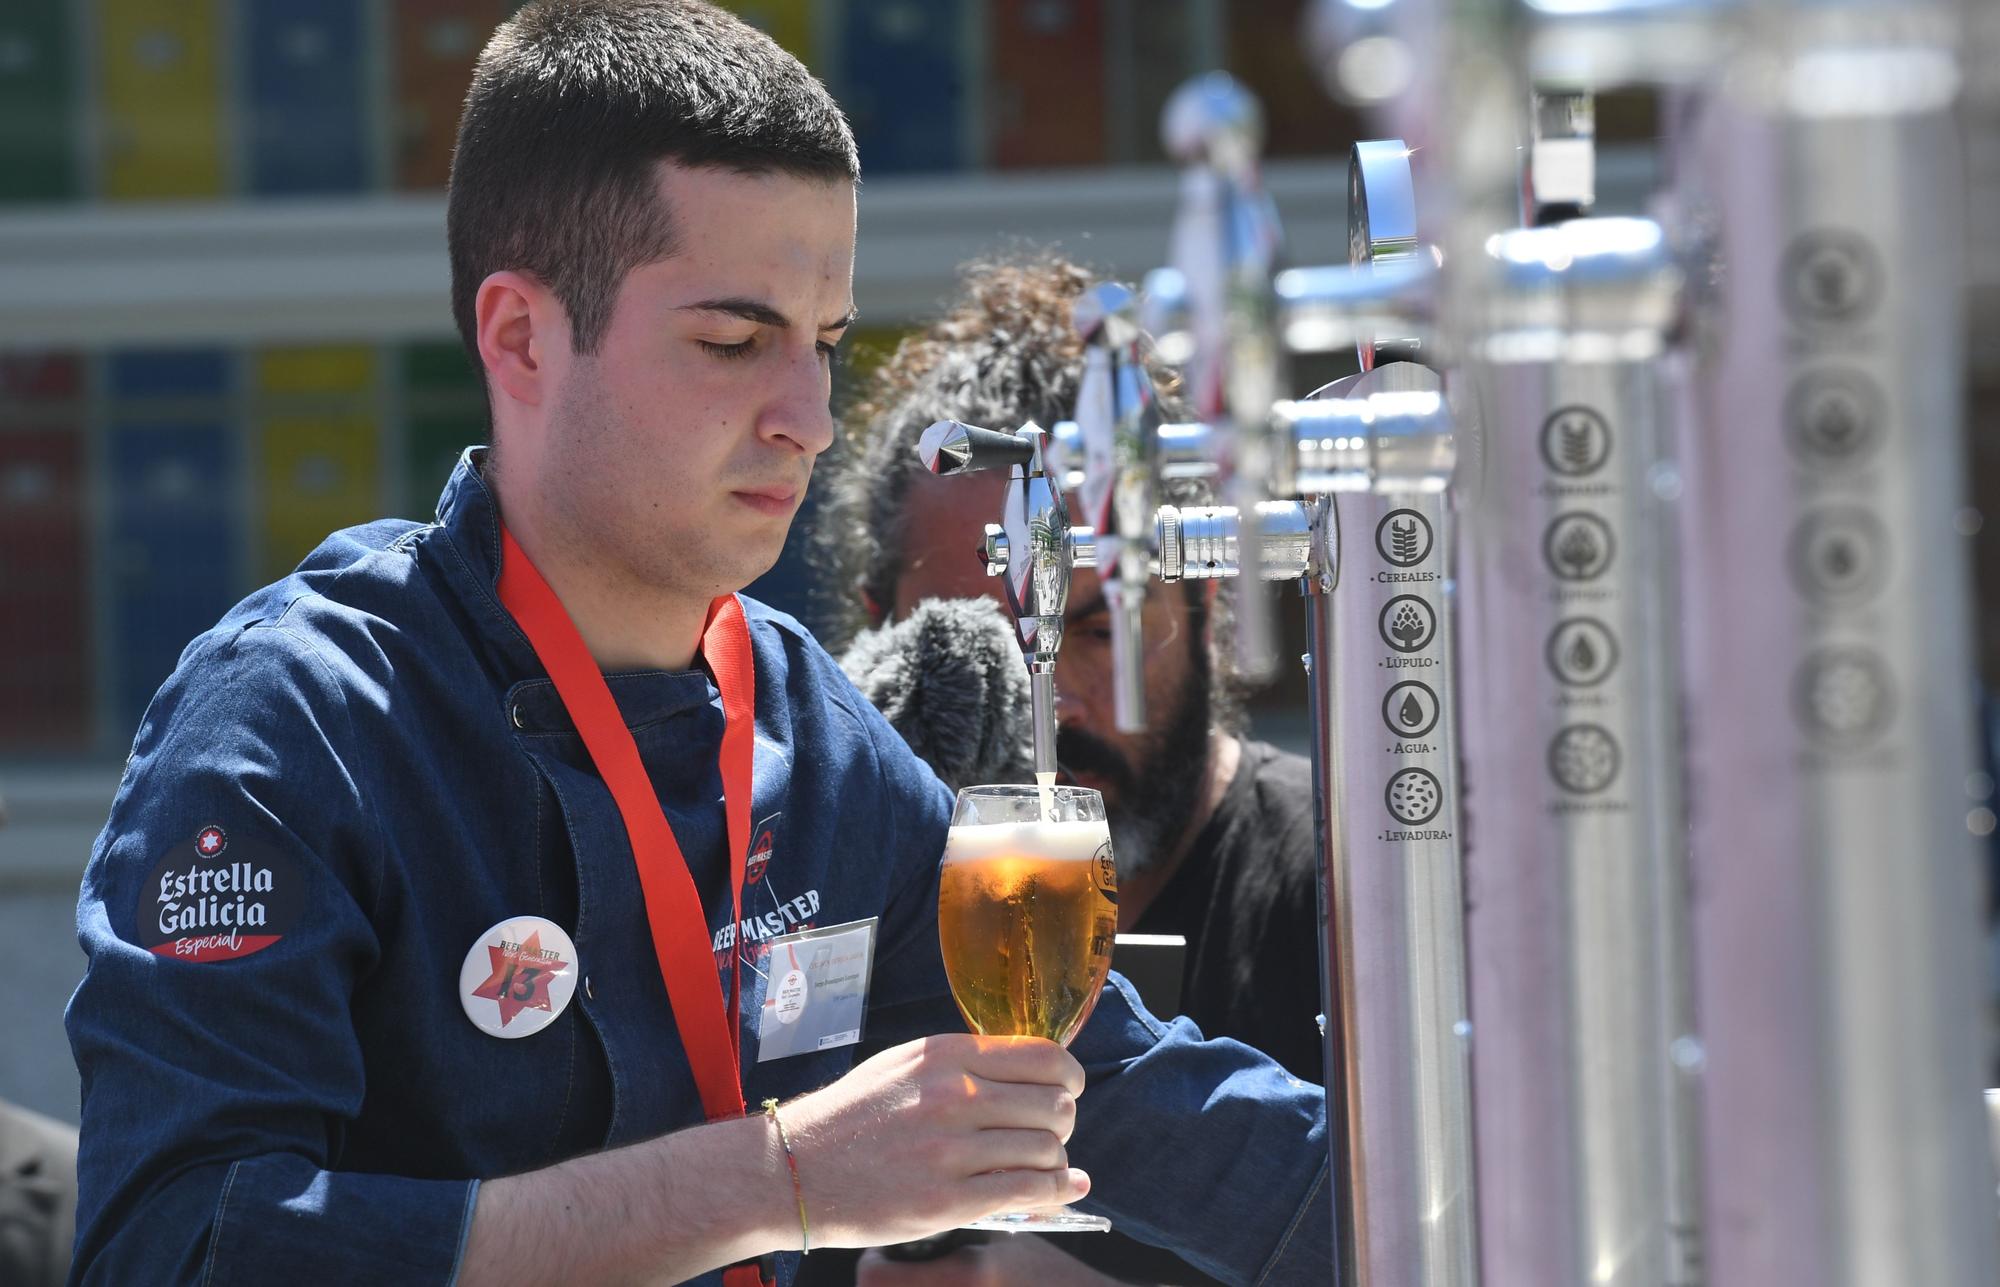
(1573, 867)
(1385, 773)
(1830, 686)
(1385, 763)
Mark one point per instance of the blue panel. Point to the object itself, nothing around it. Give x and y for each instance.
(171, 553)
(303, 82)
(169, 373)
(904, 83)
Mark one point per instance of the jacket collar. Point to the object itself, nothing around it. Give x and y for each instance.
(469, 518)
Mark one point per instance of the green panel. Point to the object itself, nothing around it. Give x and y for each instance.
(439, 368)
(431, 448)
(37, 102)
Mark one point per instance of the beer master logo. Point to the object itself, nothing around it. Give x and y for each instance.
(207, 901)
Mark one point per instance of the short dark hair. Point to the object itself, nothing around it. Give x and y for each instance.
(573, 105)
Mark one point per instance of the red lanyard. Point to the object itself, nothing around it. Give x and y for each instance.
(673, 907)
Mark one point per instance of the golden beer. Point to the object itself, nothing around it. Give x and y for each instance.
(1026, 915)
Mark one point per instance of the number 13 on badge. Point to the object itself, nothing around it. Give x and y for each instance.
(518, 977)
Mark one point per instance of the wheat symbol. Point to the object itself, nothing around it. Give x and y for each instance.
(1576, 445)
(1403, 536)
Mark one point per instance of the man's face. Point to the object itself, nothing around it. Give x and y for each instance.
(679, 451)
(1149, 779)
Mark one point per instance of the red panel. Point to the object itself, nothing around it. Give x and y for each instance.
(39, 377)
(44, 604)
(1046, 104)
(1265, 54)
(435, 43)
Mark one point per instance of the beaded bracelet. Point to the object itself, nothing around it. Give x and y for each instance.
(792, 1161)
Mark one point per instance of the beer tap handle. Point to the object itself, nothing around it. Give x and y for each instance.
(1118, 421)
(996, 549)
(1561, 171)
(1226, 245)
(949, 447)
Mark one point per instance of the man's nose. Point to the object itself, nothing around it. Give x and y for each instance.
(797, 412)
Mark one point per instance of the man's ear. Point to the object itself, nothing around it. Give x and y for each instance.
(515, 319)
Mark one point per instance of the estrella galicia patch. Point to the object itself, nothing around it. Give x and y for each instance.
(212, 898)
(1105, 872)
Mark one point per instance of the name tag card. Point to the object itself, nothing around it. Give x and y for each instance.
(818, 989)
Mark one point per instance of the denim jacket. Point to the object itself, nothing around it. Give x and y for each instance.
(372, 768)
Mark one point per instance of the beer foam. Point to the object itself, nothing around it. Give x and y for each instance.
(1053, 841)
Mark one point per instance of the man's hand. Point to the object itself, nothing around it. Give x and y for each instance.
(927, 1135)
(919, 1139)
(1006, 1260)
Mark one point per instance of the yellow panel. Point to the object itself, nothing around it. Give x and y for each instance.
(318, 473)
(316, 370)
(789, 22)
(159, 72)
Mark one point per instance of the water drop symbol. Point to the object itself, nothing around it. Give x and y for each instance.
(1411, 712)
(1582, 658)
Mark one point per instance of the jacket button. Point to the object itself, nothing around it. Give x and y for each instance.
(517, 718)
(587, 989)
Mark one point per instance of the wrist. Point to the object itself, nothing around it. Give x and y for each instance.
(734, 1168)
(789, 1171)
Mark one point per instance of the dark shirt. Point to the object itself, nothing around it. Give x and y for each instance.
(1244, 901)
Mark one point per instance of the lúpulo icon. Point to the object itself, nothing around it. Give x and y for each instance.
(1581, 652)
(1403, 538)
(1414, 797)
(1576, 441)
(1411, 709)
(1578, 546)
(1833, 417)
(1830, 276)
(1584, 758)
(1407, 623)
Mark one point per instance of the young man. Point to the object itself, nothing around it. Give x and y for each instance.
(438, 907)
(1212, 833)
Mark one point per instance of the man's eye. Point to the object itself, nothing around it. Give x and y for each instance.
(741, 349)
(831, 352)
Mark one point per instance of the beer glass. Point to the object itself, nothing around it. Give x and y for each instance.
(1027, 910)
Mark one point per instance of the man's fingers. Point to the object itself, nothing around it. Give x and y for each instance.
(1023, 1059)
(1020, 1105)
(1021, 1190)
(1011, 1150)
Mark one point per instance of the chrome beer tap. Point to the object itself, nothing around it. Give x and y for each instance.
(1118, 421)
(1368, 462)
(1225, 247)
(1037, 548)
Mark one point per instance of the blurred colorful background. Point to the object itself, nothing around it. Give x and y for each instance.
(224, 329)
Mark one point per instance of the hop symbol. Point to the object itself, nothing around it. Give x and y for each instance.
(1578, 547)
(1408, 626)
(1577, 551)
